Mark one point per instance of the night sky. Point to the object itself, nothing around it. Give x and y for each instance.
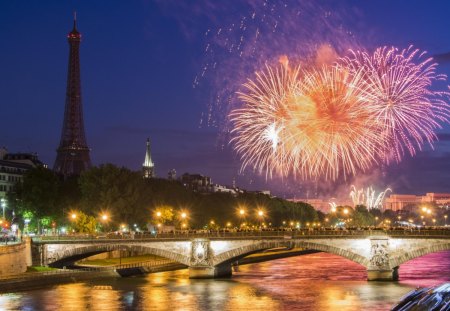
(169, 70)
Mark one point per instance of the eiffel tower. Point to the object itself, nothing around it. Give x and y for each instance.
(73, 153)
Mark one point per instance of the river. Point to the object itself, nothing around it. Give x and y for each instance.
(316, 282)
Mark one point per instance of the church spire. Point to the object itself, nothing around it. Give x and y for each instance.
(148, 167)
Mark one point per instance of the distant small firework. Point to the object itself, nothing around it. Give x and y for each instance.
(368, 197)
(339, 119)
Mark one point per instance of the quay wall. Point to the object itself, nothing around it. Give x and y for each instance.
(14, 258)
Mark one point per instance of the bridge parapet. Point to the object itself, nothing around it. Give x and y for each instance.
(381, 254)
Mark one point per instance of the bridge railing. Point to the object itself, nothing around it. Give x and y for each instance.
(288, 234)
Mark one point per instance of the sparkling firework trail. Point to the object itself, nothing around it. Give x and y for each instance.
(368, 197)
(397, 84)
(340, 119)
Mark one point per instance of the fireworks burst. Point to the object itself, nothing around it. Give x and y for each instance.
(397, 84)
(340, 119)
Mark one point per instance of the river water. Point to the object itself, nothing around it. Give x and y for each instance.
(311, 282)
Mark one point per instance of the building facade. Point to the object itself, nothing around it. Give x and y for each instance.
(12, 168)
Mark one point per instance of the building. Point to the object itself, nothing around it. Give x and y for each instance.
(72, 156)
(12, 168)
(172, 174)
(215, 188)
(148, 167)
(440, 199)
(397, 202)
(196, 182)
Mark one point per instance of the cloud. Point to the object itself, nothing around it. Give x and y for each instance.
(442, 58)
(443, 136)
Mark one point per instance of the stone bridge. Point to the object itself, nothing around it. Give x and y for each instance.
(380, 253)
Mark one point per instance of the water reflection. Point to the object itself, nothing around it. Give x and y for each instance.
(312, 282)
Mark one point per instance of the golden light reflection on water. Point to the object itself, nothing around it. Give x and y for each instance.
(318, 282)
(104, 298)
(245, 297)
(335, 298)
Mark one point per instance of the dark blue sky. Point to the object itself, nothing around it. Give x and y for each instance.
(140, 60)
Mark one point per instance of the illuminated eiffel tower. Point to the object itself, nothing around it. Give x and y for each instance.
(73, 153)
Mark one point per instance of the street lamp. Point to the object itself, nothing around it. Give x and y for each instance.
(260, 216)
(3, 201)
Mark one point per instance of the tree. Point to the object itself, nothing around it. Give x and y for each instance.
(361, 217)
(164, 214)
(116, 190)
(38, 193)
(85, 223)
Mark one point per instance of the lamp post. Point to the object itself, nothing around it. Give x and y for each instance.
(183, 219)
(104, 219)
(261, 217)
(241, 213)
(3, 201)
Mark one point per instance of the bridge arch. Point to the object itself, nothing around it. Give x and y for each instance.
(342, 252)
(238, 253)
(400, 258)
(58, 258)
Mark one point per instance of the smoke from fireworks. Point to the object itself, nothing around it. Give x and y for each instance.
(340, 119)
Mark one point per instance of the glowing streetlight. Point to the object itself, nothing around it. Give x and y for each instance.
(158, 214)
(73, 216)
(3, 203)
(183, 215)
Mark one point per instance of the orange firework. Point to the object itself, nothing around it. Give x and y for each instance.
(304, 122)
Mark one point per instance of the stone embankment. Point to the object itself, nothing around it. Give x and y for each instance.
(14, 258)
